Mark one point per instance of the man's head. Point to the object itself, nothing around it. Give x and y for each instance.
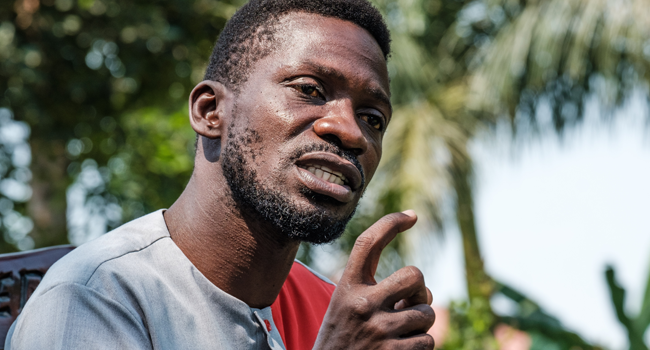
(296, 120)
(250, 34)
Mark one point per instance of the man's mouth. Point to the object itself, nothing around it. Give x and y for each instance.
(326, 174)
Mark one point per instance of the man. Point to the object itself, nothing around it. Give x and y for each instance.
(290, 121)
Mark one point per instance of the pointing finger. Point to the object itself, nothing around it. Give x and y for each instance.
(364, 258)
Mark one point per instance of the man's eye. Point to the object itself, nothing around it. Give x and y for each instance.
(309, 90)
(373, 120)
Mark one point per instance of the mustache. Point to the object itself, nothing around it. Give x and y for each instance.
(331, 148)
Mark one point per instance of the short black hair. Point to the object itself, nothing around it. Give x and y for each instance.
(248, 35)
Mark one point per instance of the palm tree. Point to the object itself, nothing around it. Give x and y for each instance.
(636, 325)
(459, 68)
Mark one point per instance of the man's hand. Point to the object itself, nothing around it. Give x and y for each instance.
(364, 314)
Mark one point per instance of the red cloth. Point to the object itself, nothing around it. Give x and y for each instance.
(300, 307)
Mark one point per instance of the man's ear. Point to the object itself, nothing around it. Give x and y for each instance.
(210, 106)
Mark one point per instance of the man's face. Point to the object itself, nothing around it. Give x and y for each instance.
(307, 128)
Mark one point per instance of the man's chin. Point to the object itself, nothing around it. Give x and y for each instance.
(326, 234)
(319, 219)
(320, 224)
(328, 218)
(314, 218)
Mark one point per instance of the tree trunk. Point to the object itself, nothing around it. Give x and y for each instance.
(479, 284)
(47, 207)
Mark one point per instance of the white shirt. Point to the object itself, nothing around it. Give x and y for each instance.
(133, 288)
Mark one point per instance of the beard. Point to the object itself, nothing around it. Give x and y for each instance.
(296, 222)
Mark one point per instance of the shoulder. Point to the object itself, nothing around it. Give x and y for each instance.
(73, 316)
(307, 275)
(305, 283)
(122, 244)
(94, 288)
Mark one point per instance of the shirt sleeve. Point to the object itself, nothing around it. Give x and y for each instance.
(73, 316)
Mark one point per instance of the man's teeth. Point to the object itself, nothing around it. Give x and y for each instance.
(327, 174)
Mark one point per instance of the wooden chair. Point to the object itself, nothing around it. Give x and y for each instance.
(20, 274)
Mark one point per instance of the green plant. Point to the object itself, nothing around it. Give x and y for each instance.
(546, 331)
(470, 326)
(635, 326)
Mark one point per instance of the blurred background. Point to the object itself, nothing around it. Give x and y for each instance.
(519, 137)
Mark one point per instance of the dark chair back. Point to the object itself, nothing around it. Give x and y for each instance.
(20, 274)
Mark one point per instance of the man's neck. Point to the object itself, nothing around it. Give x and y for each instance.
(235, 255)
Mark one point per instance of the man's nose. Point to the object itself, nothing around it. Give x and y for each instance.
(341, 122)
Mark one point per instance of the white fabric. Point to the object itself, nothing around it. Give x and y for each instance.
(133, 288)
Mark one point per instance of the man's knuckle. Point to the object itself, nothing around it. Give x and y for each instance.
(428, 342)
(364, 242)
(414, 275)
(391, 220)
(431, 313)
(429, 316)
(362, 308)
(379, 330)
(423, 342)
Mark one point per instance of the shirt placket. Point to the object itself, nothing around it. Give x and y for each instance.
(265, 318)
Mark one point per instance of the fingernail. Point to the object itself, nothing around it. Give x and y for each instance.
(409, 212)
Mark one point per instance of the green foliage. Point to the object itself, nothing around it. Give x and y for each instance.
(157, 159)
(560, 52)
(541, 342)
(546, 331)
(14, 187)
(78, 72)
(470, 326)
(636, 326)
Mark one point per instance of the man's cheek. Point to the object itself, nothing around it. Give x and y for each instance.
(370, 166)
(268, 165)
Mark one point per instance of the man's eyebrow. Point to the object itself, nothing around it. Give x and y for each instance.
(376, 93)
(328, 71)
(381, 96)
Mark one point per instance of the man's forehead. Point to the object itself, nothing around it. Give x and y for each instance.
(330, 46)
(304, 25)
